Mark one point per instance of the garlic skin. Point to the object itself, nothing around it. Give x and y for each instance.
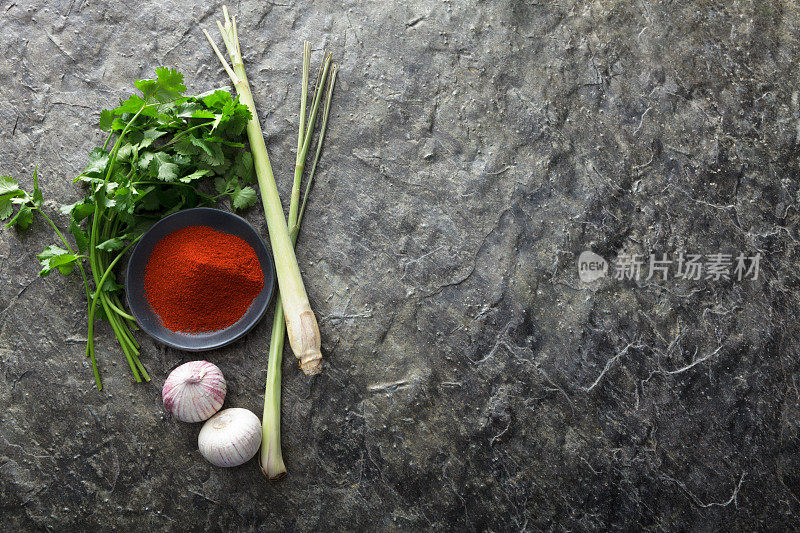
(194, 391)
(230, 438)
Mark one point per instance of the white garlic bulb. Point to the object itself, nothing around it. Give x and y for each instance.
(230, 437)
(194, 391)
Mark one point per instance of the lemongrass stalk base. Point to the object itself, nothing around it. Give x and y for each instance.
(303, 333)
(271, 457)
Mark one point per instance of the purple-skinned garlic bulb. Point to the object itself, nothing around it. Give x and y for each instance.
(194, 391)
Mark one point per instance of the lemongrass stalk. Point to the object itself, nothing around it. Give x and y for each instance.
(301, 324)
(302, 150)
(325, 113)
(271, 457)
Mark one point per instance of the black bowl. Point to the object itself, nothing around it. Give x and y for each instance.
(220, 221)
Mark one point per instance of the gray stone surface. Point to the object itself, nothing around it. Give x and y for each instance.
(472, 381)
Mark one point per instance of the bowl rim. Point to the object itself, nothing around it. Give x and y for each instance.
(270, 280)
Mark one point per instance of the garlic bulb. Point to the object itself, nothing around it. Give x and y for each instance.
(194, 391)
(230, 438)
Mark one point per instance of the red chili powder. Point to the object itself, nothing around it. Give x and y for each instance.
(198, 279)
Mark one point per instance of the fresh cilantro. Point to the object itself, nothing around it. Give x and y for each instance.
(244, 197)
(5, 207)
(37, 197)
(169, 84)
(98, 160)
(113, 244)
(132, 105)
(9, 189)
(22, 219)
(243, 167)
(81, 236)
(106, 120)
(11, 195)
(150, 135)
(163, 167)
(164, 151)
(196, 175)
(80, 210)
(202, 145)
(55, 257)
(8, 185)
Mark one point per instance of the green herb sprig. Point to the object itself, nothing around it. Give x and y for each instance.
(166, 146)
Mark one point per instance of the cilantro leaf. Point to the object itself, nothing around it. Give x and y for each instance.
(111, 284)
(169, 84)
(50, 252)
(127, 151)
(150, 135)
(163, 167)
(5, 207)
(148, 88)
(98, 160)
(197, 174)
(7, 185)
(79, 210)
(218, 99)
(131, 105)
(203, 146)
(9, 191)
(126, 202)
(106, 120)
(186, 109)
(113, 244)
(185, 147)
(243, 167)
(55, 257)
(22, 219)
(213, 154)
(221, 185)
(81, 237)
(38, 198)
(145, 158)
(243, 198)
(204, 113)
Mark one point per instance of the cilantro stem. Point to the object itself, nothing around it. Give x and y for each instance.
(93, 260)
(125, 347)
(139, 364)
(119, 329)
(95, 370)
(105, 144)
(184, 132)
(103, 279)
(119, 311)
(164, 184)
(69, 249)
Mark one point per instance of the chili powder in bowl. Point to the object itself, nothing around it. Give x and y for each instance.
(199, 279)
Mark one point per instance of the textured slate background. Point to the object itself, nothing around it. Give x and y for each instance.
(472, 381)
